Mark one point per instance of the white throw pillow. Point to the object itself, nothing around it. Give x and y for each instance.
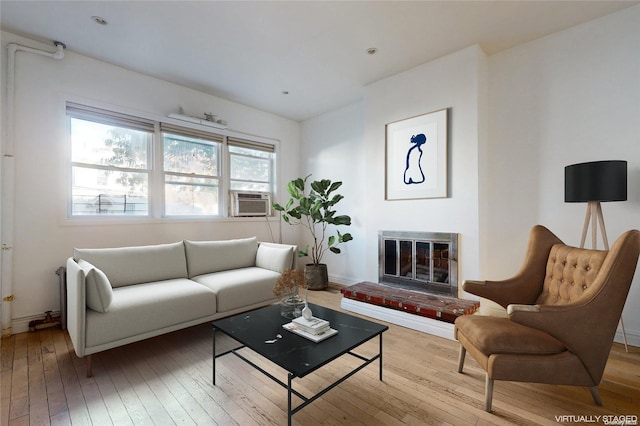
(277, 259)
(99, 291)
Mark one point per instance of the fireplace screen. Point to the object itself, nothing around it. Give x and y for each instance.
(422, 260)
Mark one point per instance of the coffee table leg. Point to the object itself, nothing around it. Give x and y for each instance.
(289, 399)
(214, 356)
(380, 356)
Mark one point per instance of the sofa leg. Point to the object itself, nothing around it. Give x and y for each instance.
(596, 395)
(461, 356)
(488, 393)
(88, 365)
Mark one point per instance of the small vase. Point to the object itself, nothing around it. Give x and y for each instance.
(291, 305)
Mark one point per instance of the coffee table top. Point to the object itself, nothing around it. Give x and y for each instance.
(294, 353)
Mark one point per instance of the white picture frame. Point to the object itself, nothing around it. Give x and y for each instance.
(416, 157)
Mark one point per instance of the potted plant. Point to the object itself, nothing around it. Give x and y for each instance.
(313, 208)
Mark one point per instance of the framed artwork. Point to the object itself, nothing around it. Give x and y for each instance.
(416, 157)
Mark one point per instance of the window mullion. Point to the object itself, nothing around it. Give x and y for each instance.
(157, 175)
(225, 184)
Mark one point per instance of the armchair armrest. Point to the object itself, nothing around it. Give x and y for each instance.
(576, 325)
(522, 308)
(526, 285)
(516, 290)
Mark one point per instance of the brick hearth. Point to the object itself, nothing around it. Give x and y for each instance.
(442, 308)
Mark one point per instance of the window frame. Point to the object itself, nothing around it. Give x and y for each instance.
(207, 138)
(258, 146)
(114, 119)
(156, 173)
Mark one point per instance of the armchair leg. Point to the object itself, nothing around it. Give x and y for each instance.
(488, 393)
(461, 356)
(596, 395)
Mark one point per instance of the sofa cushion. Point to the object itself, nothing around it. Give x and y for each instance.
(99, 293)
(204, 257)
(142, 308)
(240, 287)
(274, 257)
(134, 265)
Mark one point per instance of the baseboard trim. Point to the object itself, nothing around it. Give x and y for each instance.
(21, 325)
(342, 280)
(414, 322)
(633, 337)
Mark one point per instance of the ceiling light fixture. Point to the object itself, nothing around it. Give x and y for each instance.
(99, 20)
(371, 50)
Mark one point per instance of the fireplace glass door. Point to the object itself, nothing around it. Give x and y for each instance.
(426, 261)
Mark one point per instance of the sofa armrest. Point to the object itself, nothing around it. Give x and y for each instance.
(76, 306)
(276, 257)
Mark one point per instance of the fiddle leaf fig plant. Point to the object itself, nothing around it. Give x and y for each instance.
(314, 208)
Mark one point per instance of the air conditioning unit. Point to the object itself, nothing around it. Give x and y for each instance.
(245, 203)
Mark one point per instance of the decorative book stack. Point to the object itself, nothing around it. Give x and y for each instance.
(315, 329)
(313, 325)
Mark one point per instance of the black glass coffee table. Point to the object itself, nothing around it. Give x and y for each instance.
(258, 330)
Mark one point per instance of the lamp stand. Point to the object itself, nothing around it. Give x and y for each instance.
(594, 215)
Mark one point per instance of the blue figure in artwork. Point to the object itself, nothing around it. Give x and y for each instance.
(413, 170)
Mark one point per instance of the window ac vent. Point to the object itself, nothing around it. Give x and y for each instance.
(250, 203)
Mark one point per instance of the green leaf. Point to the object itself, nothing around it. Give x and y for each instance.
(333, 187)
(335, 250)
(292, 189)
(336, 199)
(331, 241)
(345, 237)
(295, 213)
(342, 220)
(305, 205)
(317, 186)
(299, 184)
(316, 207)
(278, 207)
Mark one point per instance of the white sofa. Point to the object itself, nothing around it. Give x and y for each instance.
(117, 296)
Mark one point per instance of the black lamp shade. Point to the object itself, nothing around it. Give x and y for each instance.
(595, 181)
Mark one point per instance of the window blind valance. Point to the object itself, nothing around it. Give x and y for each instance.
(185, 131)
(243, 143)
(104, 116)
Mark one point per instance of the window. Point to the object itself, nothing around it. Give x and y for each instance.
(110, 155)
(191, 172)
(125, 166)
(250, 165)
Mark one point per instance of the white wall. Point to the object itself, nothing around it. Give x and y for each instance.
(355, 137)
(43, 236)
(333, 149)
(454, 82)
(518, 118)
(567, 98)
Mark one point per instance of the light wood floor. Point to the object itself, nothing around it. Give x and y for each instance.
(167, 380)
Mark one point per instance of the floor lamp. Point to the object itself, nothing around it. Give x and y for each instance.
(593, 183)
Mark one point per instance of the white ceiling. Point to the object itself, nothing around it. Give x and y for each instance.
(252, 51)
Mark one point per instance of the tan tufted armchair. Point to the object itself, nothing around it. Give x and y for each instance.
(563, 308)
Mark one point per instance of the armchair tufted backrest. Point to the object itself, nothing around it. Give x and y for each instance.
(570, 273)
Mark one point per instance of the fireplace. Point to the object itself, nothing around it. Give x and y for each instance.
(426, 261)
